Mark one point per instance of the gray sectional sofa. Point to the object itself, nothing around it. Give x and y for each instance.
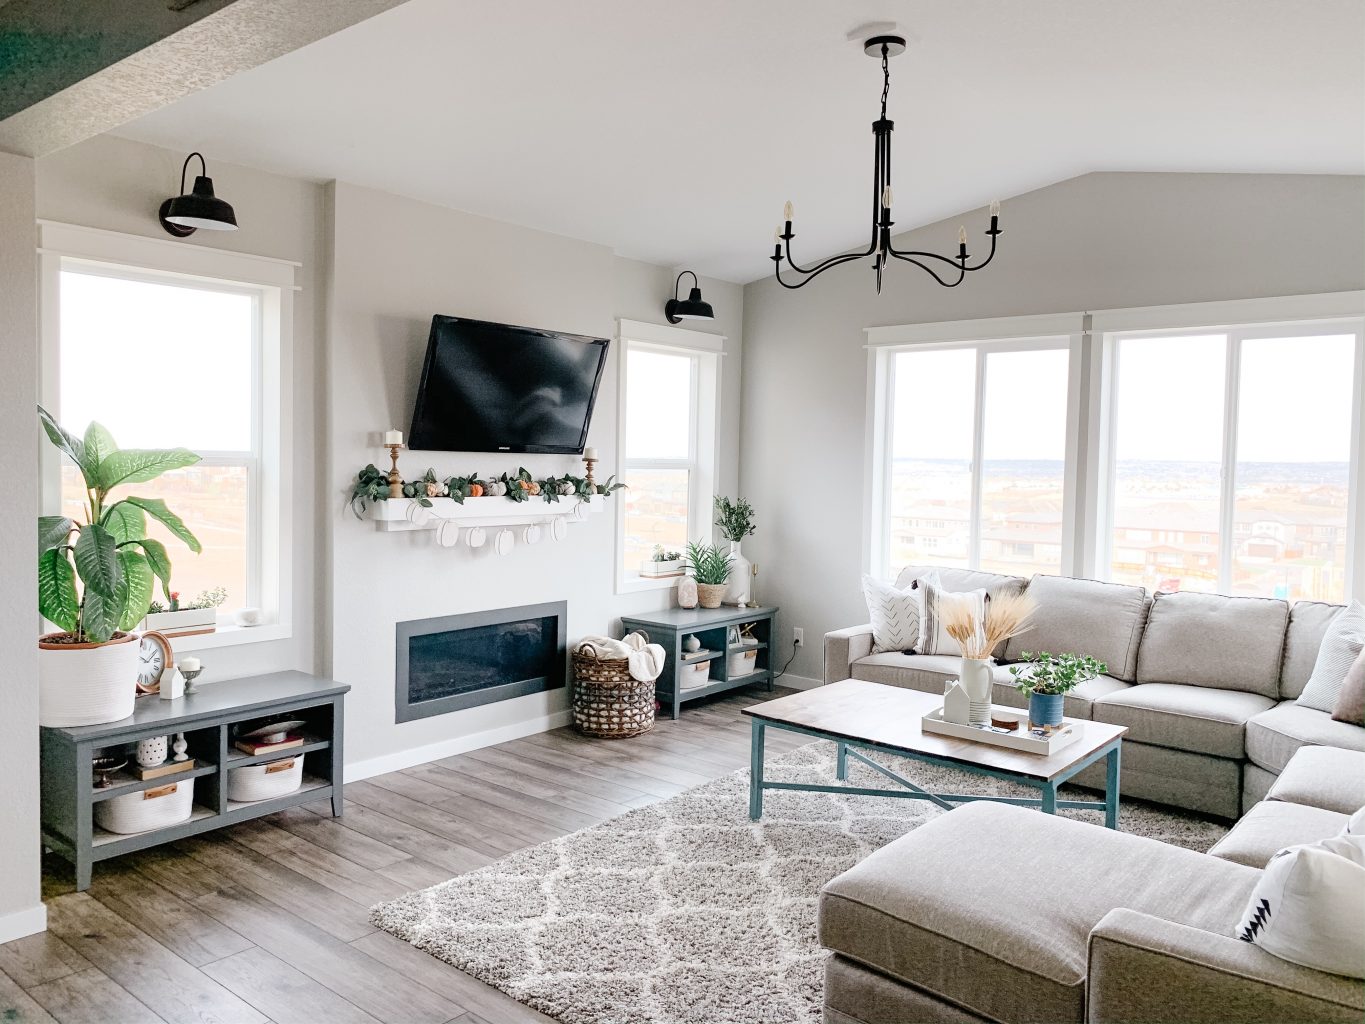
(1205, 683)
(996, 913)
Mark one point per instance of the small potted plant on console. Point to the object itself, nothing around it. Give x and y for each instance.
(1046, 678)
(711, 568)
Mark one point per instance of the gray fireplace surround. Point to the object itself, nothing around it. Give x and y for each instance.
(462, 661)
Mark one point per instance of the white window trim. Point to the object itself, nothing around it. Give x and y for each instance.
(274, 281)
(707, 350)
(999, 334)
(1091, 402)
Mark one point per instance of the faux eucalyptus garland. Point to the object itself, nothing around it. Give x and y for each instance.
(371, 484)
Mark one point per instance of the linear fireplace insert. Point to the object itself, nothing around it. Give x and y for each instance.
(461, 661)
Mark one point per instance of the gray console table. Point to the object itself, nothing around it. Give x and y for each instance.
(710, 626)
(207, 718)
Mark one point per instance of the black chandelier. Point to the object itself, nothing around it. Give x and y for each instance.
(880, 246)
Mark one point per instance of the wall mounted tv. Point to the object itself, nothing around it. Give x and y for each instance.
(497, 388)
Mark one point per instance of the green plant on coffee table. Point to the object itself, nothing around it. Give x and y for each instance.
(710, 566)
(735, 518)
(1054, 673)
(110, 554)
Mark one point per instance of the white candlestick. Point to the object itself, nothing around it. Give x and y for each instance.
(589, 453)
(393, 437)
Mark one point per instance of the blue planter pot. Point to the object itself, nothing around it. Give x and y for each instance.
(1045, 708)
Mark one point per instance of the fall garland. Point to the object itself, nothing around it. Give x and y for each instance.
(373, 485)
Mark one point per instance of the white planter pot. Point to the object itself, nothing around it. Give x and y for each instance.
(672, 567)
(738, 584)
(187, 622)
(86, 684)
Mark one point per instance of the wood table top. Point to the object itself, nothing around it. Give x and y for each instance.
(889, 716)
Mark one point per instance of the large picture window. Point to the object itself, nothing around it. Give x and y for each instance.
(974, 466)
(1231, 459)
(667, 437)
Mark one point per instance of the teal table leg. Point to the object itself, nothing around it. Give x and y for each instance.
(1049, 798)
(841, 763)
(1111, 788)
(756, 770)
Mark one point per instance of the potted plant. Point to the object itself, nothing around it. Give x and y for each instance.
(710, 568)
(663, 563)
(87, 671)
(186, 618)
(736, 521)
(1046, 678)
(1006, 615)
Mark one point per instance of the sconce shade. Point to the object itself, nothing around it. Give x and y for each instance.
(184, 214)
(690, 308)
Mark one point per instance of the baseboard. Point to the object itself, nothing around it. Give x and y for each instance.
(23, 922)
(799, 682)
(458, 745)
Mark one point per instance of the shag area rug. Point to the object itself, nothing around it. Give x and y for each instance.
(686, 912)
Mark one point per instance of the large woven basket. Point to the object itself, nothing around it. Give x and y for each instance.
(607, 702)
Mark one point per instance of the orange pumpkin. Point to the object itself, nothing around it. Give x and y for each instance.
(476, 490)
(535, 487)
(525, 485)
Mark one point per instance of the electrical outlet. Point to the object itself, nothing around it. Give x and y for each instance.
(798, 636)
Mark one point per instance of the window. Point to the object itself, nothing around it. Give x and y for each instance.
(973, 471)
(169, 359)
(1234, 473)
(668, 440)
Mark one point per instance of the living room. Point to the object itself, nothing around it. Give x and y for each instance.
(507, 580)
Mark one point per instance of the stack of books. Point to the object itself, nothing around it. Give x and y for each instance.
(252, 748)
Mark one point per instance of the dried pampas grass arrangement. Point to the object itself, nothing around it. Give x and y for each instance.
(1007, 615)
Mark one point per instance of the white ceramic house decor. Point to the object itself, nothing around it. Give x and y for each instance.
(956, 703)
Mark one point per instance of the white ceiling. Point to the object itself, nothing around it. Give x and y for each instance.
(674, 131)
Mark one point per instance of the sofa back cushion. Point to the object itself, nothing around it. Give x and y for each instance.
(1103, 620)
(1308, 622)
(960, 581)
(1230, 643)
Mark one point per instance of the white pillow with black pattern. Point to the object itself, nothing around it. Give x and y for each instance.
(895, 613)
(1307, 906)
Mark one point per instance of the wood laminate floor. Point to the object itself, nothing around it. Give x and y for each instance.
(269, 920)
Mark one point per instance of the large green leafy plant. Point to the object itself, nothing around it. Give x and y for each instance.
(109, 552)
(710, 566)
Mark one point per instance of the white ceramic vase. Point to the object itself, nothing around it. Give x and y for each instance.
(976, 680)
(86, 684)
(151, 752)
(737, 584)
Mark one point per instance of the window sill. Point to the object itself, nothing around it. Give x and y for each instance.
(232, 636)
(642, 584)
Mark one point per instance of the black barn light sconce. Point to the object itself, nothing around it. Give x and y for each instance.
(690, 308)
(189, 211)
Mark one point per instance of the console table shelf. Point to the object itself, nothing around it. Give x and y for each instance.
(208, 719)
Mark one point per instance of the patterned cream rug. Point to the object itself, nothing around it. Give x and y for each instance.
(685, 912)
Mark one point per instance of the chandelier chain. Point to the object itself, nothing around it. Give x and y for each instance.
(886, 78)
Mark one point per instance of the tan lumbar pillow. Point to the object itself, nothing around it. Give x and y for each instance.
(1350, 705)
(1307, 907)
(1341, 646)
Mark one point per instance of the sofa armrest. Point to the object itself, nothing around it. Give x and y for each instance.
(1145, 969)
(843, 647)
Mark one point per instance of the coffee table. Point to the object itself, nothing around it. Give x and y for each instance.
(858, 715)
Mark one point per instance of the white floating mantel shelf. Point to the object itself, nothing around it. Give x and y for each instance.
(510, 521)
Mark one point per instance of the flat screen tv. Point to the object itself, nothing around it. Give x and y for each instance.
(497, 388)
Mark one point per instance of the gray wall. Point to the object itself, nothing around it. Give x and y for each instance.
(1096, 242)
(20, 910)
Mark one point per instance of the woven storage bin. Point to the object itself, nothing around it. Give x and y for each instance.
(158, 807)
(265, 781)
(607, 702)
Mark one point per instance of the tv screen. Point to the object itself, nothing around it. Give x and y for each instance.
(496, 388)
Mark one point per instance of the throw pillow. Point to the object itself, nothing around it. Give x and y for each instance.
(1341, 645)
(1306, 907)
(1350, 706)
(1355, 825)
(895, 613)
(934, 638)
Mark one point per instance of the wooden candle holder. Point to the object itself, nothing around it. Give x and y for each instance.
(395, 477)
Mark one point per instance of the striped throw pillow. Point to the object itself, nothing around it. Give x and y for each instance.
(934, 638)
(895, 613)
(1341, 645)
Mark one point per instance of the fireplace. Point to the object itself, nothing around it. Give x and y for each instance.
(462, 661)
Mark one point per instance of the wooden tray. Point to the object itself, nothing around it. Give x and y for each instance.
(1020, 740)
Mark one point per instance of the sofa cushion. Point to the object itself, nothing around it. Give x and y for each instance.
(1326, 777)
(1272, 825)
(1274, 736)
(1179, 778)
(953, 909)
(1194, 718)
(1103, 620)
(1308, 622)
(1341, 646)
(959, 581)
(1229, 643)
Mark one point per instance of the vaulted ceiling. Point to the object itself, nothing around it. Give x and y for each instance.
(674, 132)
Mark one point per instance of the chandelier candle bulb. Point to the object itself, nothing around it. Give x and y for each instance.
(886, 197)
(995, 207)
(787, 211)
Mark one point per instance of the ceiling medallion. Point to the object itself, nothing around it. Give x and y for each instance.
(880, 247)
